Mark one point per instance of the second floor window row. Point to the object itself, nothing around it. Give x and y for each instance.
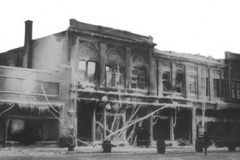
(235, 90)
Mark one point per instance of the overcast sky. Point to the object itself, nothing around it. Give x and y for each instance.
(206, 27)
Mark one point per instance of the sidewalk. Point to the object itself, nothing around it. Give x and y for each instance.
(18, 151)
(133, 149)
(174, 147)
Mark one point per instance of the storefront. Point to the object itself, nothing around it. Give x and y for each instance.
(27, 124)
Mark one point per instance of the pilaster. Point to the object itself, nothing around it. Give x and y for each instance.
(152, 75)
(127, 68)
(102, 63)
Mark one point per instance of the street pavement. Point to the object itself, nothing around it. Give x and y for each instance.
(126, 153)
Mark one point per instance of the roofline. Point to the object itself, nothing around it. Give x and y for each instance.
(110, 33)
(189, 57)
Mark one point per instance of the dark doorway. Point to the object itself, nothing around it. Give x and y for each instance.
(30, 131)
(84, 120)
(183, 125)
(161, 129)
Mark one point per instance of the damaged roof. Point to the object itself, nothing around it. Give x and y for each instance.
(188, 56)
(105, 32)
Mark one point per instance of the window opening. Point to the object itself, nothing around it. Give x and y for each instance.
(179, 82)
(87, 70)
(238, 90)
(114, 76)
(207, 86)
(138, 79)
(233, 90)
(216, 87)
(82, 65)
(166, 81)
(223, 88)
(91, 68)
(193, 84)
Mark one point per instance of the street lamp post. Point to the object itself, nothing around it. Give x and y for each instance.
(106, 144)
(104, 99)
(104, 123)
(71, 138)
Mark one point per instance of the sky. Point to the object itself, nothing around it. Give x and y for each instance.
(205, 27)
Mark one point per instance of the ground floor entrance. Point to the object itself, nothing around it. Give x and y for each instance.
(90, 122)
(173, 124)
(123, 121)
(26, 126)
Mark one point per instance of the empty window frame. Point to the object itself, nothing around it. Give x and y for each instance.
(238, 90)
(235, 90)
(88, 68)
(223, 88)
(139, 77)
(166, 81)
(114, 75)
(216, 87)
(207, 86)
(219, 84)
(204, 82)
(193, 84)
(179, 81)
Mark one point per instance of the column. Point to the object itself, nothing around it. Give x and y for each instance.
(203, 114)
(4, 137)
(127, 68)
(152, 75)
(194, 126)
(186, 81)
(210, 72)
(104, 122)
(124, 122)
(171, 117)
(229, 86)
(159, 78)
(5, 134)
(74, 117)
(151, 128)
(94, 124)
(102, 63)
(173, 76)
(199, 77)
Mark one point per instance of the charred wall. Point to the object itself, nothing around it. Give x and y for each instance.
(12, 58)
(50, 51)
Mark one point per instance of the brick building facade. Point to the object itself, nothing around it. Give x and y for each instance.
(103, 83)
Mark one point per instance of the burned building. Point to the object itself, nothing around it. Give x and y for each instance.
(199, 82)
(103, 83)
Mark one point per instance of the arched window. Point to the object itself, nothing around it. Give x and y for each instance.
(114, 68)
(87, 70)
(138, 72)
(166, 81)
(87, 64)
